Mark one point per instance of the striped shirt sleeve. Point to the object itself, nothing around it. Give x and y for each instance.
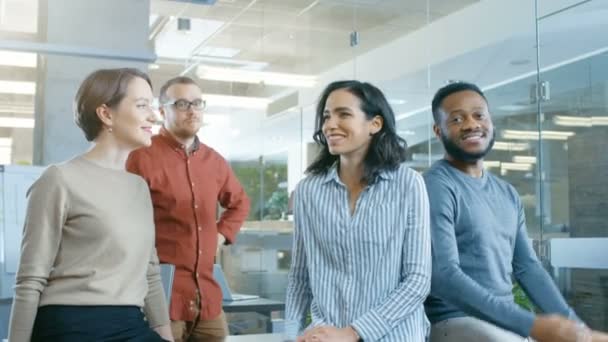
(416, 271)
(298, 289)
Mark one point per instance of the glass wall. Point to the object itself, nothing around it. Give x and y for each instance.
(18, 21)
(545, 89)
(575, 110)
(262, 64)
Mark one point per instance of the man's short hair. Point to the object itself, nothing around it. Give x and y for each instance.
(162, 98)
(448, 90)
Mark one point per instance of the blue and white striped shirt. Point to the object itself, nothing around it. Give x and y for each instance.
(371, 270)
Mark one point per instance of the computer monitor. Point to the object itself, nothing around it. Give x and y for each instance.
(227, 294)
(167, 272)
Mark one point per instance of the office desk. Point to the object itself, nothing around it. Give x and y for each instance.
(257, 338)
(262, 306)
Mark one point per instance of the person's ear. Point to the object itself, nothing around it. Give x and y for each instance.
(376, 124)
(105, 115)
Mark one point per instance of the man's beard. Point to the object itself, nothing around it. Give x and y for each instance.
(458, 153)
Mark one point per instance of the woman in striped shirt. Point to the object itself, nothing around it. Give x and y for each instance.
(361, 258)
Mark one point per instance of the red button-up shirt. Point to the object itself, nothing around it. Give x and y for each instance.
(185, 191)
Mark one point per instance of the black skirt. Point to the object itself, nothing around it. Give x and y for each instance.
(70, 323)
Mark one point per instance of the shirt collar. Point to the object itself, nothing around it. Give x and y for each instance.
(387, 174)
(332, 175)
(171, 141)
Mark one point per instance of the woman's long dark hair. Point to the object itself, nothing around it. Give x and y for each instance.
(387, 149)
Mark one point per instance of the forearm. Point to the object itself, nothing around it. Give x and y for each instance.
(297, 305)
(534, 279)
(23, 313)
(457, 288)
(230, 223)
(398, 306)
(298, 293)
(233, 198)
(155, 305)
(543, 292)
(155, 309)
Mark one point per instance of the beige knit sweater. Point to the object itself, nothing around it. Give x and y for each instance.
(88, 240)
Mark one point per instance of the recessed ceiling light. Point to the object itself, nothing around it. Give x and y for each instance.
(524, 159)
(397, 101)
(511, 146)
(512, 107)
(515, 166)
(452, 81)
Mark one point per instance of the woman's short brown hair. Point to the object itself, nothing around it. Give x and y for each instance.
(104, 86)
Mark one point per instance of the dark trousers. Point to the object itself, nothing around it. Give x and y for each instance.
(70, 323)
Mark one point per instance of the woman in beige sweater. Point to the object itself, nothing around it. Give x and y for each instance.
(88, 263)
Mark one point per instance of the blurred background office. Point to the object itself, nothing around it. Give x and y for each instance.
(261, 65)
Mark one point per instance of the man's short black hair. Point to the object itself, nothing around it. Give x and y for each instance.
(448, 90)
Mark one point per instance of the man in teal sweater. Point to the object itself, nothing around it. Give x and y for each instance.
(479, 240)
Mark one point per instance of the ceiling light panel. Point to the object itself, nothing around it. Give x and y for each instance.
(534, 135)
(580, 121)
(16, 122)
(510, 146)
(17, 87)
(18, 59)
(229, 101)
(256, 77)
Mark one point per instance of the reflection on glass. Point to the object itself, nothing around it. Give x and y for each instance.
(574, 169)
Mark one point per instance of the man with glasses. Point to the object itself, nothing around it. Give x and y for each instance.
(187, 179)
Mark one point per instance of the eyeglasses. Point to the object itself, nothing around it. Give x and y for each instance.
(184, 105)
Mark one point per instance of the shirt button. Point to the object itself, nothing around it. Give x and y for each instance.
(196, 206)
(197, 275)
(199, 251)
(192, 183)
(199, 228)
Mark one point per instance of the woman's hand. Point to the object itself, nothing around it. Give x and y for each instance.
(165, 332)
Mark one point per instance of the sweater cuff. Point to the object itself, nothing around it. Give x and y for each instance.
(522, 323)
(573, 316)
(20, 335)
(157, 318)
